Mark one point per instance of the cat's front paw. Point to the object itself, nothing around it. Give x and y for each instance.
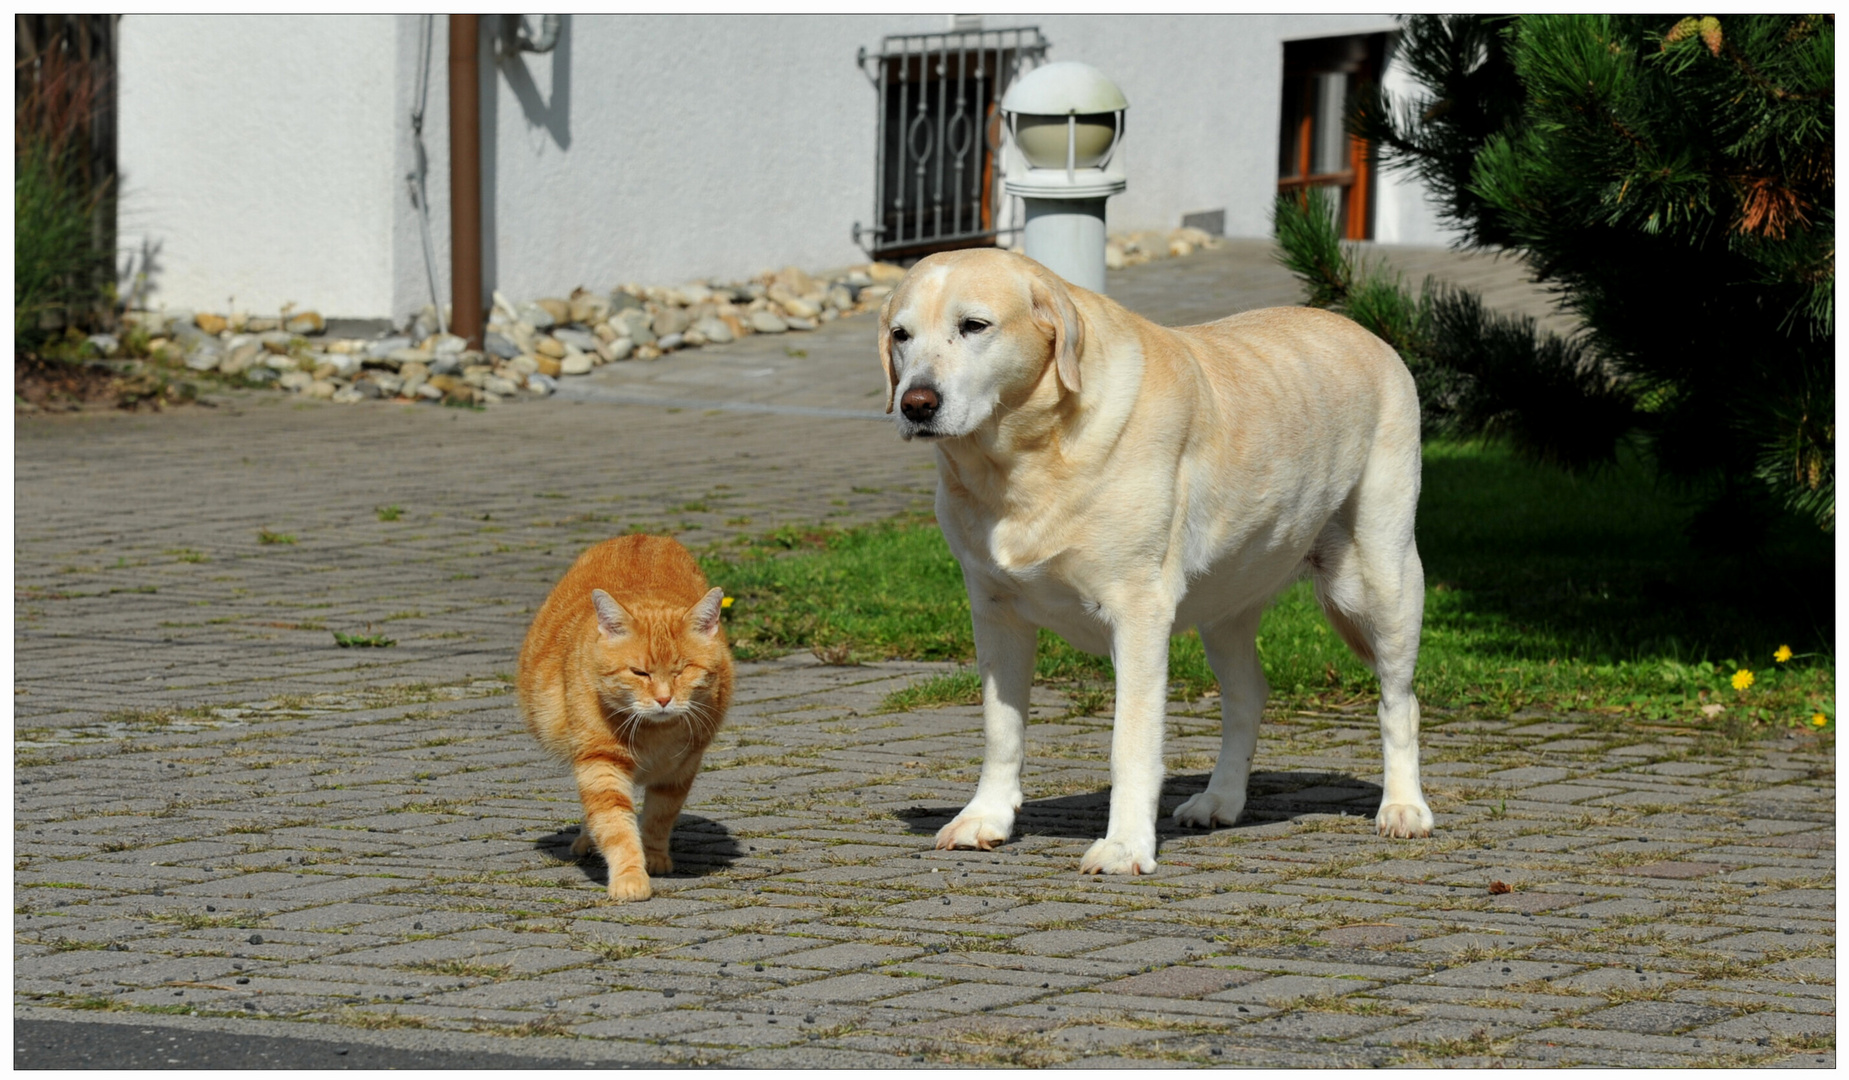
(630, 886)
(658, 862)
(583, 845)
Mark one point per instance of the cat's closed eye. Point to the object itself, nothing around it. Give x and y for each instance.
(638, 673)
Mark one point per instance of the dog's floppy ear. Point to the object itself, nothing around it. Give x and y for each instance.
(1055, 312)
(892, 379)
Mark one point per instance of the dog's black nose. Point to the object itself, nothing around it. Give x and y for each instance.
(919, 404)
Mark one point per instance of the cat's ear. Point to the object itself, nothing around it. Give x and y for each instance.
(704, 616)
(611, 618)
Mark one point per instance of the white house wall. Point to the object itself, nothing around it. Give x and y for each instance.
(256, 160)
(643, 148)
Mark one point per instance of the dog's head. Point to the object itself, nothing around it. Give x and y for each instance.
(967, 331)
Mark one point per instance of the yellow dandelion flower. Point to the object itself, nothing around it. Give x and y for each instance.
(1783, 654)
(1819, 720)
(1742, 679)
(726, 602)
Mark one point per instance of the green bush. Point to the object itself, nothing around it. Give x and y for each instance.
(1674, 180)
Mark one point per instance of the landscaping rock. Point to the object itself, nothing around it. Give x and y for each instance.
(671, 321)
(634, 325)
(799, 308)
(496, 345)
(528, 345)
(582, 340)
(713, 329)
(588, 308)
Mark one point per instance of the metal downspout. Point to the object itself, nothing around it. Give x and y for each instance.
(465, 178)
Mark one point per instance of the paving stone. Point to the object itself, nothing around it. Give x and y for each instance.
(1066, 942)
(853, 989)
(381, 820)
(1761, 1025)
(1497, 973)
(1182, 982)
(1284, 988)
(1653, 1017)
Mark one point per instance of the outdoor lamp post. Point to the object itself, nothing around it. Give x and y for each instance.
(1065, 121)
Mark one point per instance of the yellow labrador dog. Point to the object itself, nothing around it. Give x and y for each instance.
(1118, 482)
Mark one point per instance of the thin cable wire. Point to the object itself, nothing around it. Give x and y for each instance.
(415, 179)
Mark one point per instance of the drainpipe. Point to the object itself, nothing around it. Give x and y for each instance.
(465, 178)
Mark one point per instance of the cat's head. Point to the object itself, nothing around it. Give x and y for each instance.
(653, 661)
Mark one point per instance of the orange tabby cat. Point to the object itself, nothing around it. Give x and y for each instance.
(626, 675)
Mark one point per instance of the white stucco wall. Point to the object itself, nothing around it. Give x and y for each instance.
(643, 148)
(256, 159)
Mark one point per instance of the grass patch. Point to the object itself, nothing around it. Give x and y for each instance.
(362, 641)
(957, 688)
(1543, 590)
(472, 969)
(389, 513)
(265, 536)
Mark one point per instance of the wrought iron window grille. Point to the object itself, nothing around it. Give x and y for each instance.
(937, 184)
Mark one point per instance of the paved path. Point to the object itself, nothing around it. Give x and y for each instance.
(232, 836)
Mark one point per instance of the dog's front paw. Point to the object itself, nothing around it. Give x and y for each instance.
(1109, 856)
(1210, 808)
(972, 829)
(1404, 820)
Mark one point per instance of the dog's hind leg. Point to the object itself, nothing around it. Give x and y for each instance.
(1232, 652)
(1005, 659)
(1372, 588)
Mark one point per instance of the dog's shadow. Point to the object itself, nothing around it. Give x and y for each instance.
(1270, 797)
(700, 846)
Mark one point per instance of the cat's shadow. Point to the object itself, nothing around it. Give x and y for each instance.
(1271, 796)
(700, 846)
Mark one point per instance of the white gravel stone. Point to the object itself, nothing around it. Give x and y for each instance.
(766, 322)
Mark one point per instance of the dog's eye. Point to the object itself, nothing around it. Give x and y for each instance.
(899, 334)
(972, 326)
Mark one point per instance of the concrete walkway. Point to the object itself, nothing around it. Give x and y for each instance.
(233, 832)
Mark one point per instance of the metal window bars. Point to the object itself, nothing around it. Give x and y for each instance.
(937, 184)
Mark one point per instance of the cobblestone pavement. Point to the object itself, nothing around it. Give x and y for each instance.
(223, 822)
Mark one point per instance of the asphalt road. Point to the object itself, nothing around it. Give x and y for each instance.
(62, 1044)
